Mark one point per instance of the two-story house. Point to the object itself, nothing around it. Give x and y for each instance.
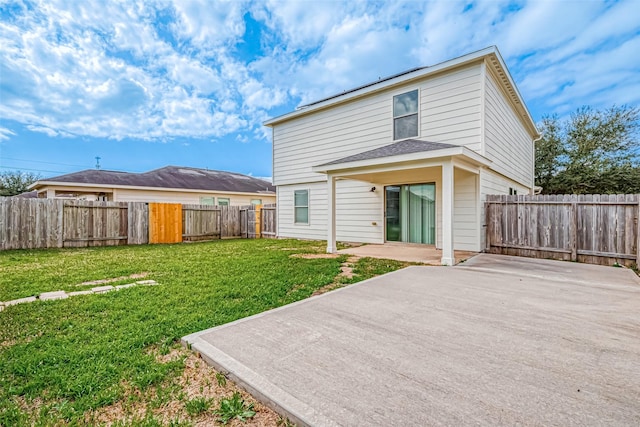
(407, 158)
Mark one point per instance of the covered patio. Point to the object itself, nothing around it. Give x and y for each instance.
(408, 252)
(453, 169)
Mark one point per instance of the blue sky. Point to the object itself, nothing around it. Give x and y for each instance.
(189, 82)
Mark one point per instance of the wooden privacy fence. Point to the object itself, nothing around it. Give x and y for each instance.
(595, 229)
(57, 223)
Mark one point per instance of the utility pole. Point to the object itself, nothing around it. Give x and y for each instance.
(98, 162)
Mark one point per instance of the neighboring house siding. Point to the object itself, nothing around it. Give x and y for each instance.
(465, 217)
(507, 143)
(449, 112)
(122, 195)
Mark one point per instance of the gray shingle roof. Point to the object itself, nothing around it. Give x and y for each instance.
(408, 146)
(171, 177)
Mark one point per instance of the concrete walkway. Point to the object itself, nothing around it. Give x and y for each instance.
(444, 346)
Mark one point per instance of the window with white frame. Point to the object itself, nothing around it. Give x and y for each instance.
(223, 201)
(207, 200)
(256, 201)
(405, 115)
(301, 206)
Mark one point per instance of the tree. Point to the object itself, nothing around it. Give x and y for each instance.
(592, 152)
(16, 182)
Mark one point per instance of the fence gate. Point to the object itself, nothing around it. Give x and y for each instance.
(94, 223)
(165, 223)
(268, 221)
(201, 222)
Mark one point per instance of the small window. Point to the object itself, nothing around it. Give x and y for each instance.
(301, 206)
(222, 201)
(513, 191)
(256, 201)
(405, 115)
(207, 200)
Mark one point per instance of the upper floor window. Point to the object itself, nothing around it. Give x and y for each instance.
(405, 115)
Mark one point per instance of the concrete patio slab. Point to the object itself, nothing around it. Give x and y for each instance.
(553, 270)
(446, 346)
(407, 252)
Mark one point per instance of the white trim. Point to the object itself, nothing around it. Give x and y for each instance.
(483, 113)
(448, 209)
(331, 214)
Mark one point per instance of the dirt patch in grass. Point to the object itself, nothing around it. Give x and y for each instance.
(167, 402)
(315, 256)
(346, 274)
(115, 279)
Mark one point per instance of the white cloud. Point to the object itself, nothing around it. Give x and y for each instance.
(48, 131)
(6, 134)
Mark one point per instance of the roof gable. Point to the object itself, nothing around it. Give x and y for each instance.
(490, 55)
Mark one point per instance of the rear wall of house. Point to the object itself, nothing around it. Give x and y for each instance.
(450, 112)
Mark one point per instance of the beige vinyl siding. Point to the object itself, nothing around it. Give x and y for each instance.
(449, 112)
(465, 218)
(507, 143)
(124, 195)
(317, 226)
(356, 209)
(451, 108)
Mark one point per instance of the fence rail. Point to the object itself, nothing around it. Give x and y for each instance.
(595, 229)
(57, 223)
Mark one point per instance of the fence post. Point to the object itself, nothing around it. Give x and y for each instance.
(574, 234)
(258, 221)
(638, 234)
(487, 226)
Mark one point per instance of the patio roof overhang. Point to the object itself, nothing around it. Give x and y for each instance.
(403, 155)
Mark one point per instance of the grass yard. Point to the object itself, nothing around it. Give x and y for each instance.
(114, 357)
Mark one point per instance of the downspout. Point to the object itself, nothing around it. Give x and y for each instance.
(533, 166)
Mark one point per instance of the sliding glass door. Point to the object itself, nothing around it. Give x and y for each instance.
(411, 213)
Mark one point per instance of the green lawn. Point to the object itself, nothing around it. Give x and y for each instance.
(62, 359)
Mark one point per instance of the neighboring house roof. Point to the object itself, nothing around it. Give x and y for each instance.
(491, 54)
(407, 146)
(174, 177)
(27, 195)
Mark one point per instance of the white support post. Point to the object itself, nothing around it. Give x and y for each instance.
(448, 256)
(331, 211)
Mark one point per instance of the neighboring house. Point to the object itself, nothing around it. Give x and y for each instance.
(172, 184)
(27, 195)
(408, 158)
